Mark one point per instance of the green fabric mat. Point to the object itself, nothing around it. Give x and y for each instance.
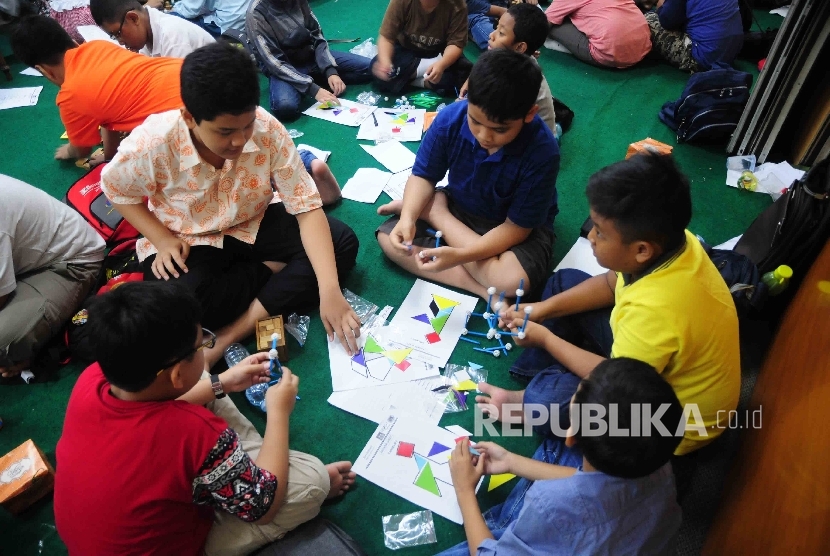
(613, 109)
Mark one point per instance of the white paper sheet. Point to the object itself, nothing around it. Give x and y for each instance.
(401, 125)
(409, 458)
(348, 113)
(379, 360)
(366, 184)
(414, 399)
(31, 71)
(94, 33)
(392, 154)
(20, 96)
(430, 321)
(581, 257)
(396, 185)
(730, 244)
(322, 155)
(773, 178)
(458, 431)
(782, 11)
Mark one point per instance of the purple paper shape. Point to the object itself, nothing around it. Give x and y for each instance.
(359, 358)
(423, 318)
(437, 449)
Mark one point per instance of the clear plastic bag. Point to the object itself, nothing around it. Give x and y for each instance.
(460, 373)
(363, 308)
(297, 326)
(366, 49)
(294, 133)
(405, 530)
(369, 98)
(457, 375)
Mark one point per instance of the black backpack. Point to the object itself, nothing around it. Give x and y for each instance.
(709, 107)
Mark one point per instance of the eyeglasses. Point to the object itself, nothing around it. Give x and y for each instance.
(116, 36)
(208, 341)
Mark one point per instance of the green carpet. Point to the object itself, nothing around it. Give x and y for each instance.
(613, 109)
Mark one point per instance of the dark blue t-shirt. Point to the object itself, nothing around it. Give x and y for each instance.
(517, 182)
(714, 26)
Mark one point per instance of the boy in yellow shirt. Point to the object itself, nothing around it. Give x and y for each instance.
(662, 302)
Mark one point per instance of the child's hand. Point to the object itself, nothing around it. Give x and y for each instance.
(340, 320)
(324, 95)
(434, 73)
(535, 334)
(253, 370)
(382, 69)
(496, 458)
(440, 258)
(509, 313)
(337, 85)
(282, 396)
(462, 92)
(465, 472)
(171, 252)
(402, 235)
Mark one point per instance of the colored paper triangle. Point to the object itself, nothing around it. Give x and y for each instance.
(359, 358)
(337, 112)
(439, 322)
(410, 121)
(475, 366)
(437, 448)
(421, 461)
(372, 346)
(398, 355)
(426, 480)
(444, 312)
(497, 480)
(443, 302)
(423, 318)
(466, 385)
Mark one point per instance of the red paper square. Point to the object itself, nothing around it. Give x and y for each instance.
(433, 337)
(403, 365)
(406, 449)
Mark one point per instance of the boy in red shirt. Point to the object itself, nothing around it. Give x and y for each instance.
(154, 459)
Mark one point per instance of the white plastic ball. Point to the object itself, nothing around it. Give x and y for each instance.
(490, 334)
(498, 305)
(272, 354)
(520, 292)
(528, 309)
(497, 353)
(521, 335)
(498, 336)
(486, 316)
(491, 290)
(508, 346)
(275, 336)
(386, 98)
(463, 331)
(438, 234)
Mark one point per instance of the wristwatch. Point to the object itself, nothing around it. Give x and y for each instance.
(216, 385)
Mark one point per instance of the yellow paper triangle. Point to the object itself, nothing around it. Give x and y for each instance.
(444, 303)
(497, 480)
(65, 135)
(397, 355)
(466, 385)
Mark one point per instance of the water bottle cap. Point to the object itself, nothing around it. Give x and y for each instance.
(783, 272)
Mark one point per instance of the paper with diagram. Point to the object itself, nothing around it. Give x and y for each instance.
(410, 458)
(379, 360)
(401, 125)
(414, 398)
(346, 113)
(430, 321)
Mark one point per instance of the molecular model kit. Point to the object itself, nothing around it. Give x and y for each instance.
(491, 317)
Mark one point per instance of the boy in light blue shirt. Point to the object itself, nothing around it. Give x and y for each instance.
(593, 493)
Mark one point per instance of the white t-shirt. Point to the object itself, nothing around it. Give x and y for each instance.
(37, 230)
(173, 36)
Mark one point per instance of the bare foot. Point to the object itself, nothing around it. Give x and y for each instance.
(326, 182)
(499, 397)
(14, 370)
(390, 208)
(342, 478)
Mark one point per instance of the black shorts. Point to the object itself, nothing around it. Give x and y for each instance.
(534, 253)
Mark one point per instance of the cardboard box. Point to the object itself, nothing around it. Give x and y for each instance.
(264, 329)
(26, 476)
(648, 145)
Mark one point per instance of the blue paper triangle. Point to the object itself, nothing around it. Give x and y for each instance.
(359, 358)
(421, 461)
(474, 366)
(437, 449)
(423, 318)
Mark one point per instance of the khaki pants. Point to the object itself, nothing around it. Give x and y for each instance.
(40, 305)
(308, 486)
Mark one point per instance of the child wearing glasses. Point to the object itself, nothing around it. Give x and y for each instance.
(103, 88)
(161, 457)
(146, 30)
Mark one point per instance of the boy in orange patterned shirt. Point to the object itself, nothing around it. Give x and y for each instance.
(213, 219)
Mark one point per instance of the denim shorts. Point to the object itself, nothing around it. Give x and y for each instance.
(306, 157)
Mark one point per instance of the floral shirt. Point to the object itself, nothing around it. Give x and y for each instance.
(201, 204)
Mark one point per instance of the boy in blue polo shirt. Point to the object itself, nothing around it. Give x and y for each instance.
(496, 213)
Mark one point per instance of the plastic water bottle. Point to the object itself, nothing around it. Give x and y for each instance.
(557, 131)
(748, 181)
(256, 395)
(235, 354)
(778, 280)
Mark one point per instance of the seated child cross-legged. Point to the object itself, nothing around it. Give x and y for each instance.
(161, 457)
(597, 493)
(496, 213)
(147, 30)
(662, 302)
(213, 219)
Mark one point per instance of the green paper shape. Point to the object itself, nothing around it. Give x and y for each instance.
(372, 346)
(426, 480)
(439, 322)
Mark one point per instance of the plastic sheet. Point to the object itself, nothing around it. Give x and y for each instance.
(405, 530)
(456, 395)
(369, 98)
(297, 326)
(366, 49)
(294, 133)
(362, 307)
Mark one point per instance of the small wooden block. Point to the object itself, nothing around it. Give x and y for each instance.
(264, 329)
